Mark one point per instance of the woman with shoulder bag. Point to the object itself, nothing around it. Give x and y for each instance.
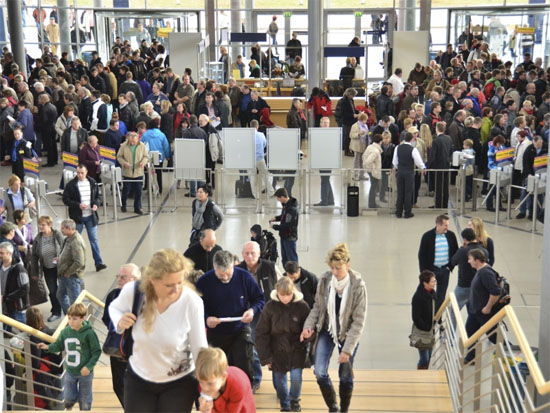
(45, 252)
(423, 311)
(15, 197)
(338, 316)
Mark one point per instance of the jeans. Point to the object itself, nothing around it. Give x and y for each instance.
(78, 389)
(256, 365)
(20, 316)
(50, 275)
(327, 197)
(384, 185)
(133, 188)
(91, 230)
(462, 294)
(280, 383)
(373, 191)
(325, 346)
(473, 323)
(425, 356)
(490, 199)
(68, 290)
(358, 165)
(288, 251)
(442, 278)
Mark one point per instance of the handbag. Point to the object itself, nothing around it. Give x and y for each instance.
(38, 294)
(422, 340)
(121, 345)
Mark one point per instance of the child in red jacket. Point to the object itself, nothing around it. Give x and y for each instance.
(223, 388)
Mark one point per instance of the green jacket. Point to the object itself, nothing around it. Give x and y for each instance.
(81, 347)
(72, 260)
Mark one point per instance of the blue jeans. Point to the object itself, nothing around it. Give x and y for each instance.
(462, 295)
(325, 346)
(68, 290)
(78, 389)
(256, 365)
(280, 383)
(134, 188)
(17, 316)
(442, 278)
(425, 356)
(91, 230)
(288, 251)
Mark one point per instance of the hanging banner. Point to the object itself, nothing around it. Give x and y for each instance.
(69, 159)
(107, 154)
(31, 167)
(540, 162)
(505, 155)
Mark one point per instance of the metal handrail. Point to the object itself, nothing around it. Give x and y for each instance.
(502, 388)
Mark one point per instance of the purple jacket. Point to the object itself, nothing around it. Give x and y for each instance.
(89, 157)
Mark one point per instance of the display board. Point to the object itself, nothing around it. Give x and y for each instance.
(184, 52)
(325, 148)
(189, 159)
(239, 146)
(410, 48)
(282, 148)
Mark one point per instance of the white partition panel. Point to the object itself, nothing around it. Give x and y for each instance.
(239, 146)
(189, 159)
(325, 148)
(282, 148)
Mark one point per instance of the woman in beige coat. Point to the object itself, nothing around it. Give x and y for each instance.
(359, 135)
(372, 162)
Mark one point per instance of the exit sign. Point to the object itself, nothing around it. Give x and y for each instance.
(287, 13)
(358, 13)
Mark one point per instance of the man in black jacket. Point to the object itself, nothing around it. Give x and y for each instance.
(202, 253)
(465, 271)
(538, 148)
(384, 104)
(15, 285)
(437, 247)
(82, 196)
(47, 116)
(304, 281)
(288, 225)
(440, 159)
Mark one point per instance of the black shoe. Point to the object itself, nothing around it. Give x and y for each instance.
(409, 215)
(138, 211)
(501, 209)
(345, 398)
(521, 215)
(491, 209)
(189, 196)
(540, 218)
(530, 217)
(320, 204)
(255, 387)
(398, 215)
(295, 406)
(349, 153)
(123, 209)
(100, 267)
(329, 395)
(285, 409)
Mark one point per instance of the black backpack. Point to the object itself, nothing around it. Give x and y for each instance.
(270, 253)
(504, 296)
(338, 112)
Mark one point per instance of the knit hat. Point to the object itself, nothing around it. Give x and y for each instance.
(256, 229)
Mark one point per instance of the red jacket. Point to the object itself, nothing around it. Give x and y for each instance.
(237, 396)
(317, 103)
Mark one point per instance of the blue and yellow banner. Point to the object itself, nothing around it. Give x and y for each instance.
(107, 154)
(540, 162)
(31, 167)
(69, 159)
(505, 155)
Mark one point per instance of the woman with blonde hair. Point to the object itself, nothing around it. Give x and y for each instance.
(338, 317)
(168, 334)
(359, 136)
(483, 238)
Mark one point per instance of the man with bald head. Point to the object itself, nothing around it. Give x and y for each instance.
(202, 253)
(266, 275)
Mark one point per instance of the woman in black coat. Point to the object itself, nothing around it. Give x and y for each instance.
(295, 117)
(423, 311)
(349, 117)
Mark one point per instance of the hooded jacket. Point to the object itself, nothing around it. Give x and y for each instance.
(288, 226)
(82, 348)
(278, 333)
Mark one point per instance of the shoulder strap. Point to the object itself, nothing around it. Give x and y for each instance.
(138, 299)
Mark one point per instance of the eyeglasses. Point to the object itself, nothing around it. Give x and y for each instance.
(122, 277)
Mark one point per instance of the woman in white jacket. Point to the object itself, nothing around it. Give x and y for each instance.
(168, 334)
(372, 163)
(64, 121)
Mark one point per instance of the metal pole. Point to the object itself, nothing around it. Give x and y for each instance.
(535, 204)
(497, 197)
(64, 26)
(15, 25)
(314, 17)
(150, 187)
(509, 205)
(99, 35)
(210, 19)
(114, 191)
(463, 189)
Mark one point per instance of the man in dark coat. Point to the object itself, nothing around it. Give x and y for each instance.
(47, 116)
(304, 281)
(202, 253)
(437, 247)
(15, 284)
(440, 159)
(384, 104)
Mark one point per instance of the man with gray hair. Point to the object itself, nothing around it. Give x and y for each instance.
(202, 253)
(15, 285)
(71, 265)
(231, 297)
(127, 273)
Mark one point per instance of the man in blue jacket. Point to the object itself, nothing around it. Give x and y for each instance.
(229, 291)
(156, 140)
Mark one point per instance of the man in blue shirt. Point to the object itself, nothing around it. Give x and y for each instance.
(229, 291)
(261, 167)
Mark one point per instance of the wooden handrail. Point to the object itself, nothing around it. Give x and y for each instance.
(542, 386)
(46, 337)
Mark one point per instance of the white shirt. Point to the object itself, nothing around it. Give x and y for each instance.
(520, 150)
(415, 154)
(397, 83)
(168, 351)
(85, 196)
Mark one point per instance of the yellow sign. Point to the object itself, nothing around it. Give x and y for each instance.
(31, 167)
(69, 159)
(504, 155)
(540, 162)
(525, 30)
(107, 153)
(164, 31)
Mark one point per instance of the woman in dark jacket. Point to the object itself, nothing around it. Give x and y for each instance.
(206, 214)
(90, 157)
(423, 311)
(349, 117)
(278, 341)
(167, 120)
(295, 118)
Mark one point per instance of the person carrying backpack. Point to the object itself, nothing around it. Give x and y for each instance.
(267, 242)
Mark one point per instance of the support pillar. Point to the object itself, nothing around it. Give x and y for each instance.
(236, 26)
(410, 15)
(358, 27)
(16, 34)
(314, 52)
(249, 23)
(210, 28)
(64, 15)
(287, 30)
(100, 33)
(426, 18)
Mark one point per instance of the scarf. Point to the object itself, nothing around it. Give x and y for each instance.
(198, 219)
(342, 288)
